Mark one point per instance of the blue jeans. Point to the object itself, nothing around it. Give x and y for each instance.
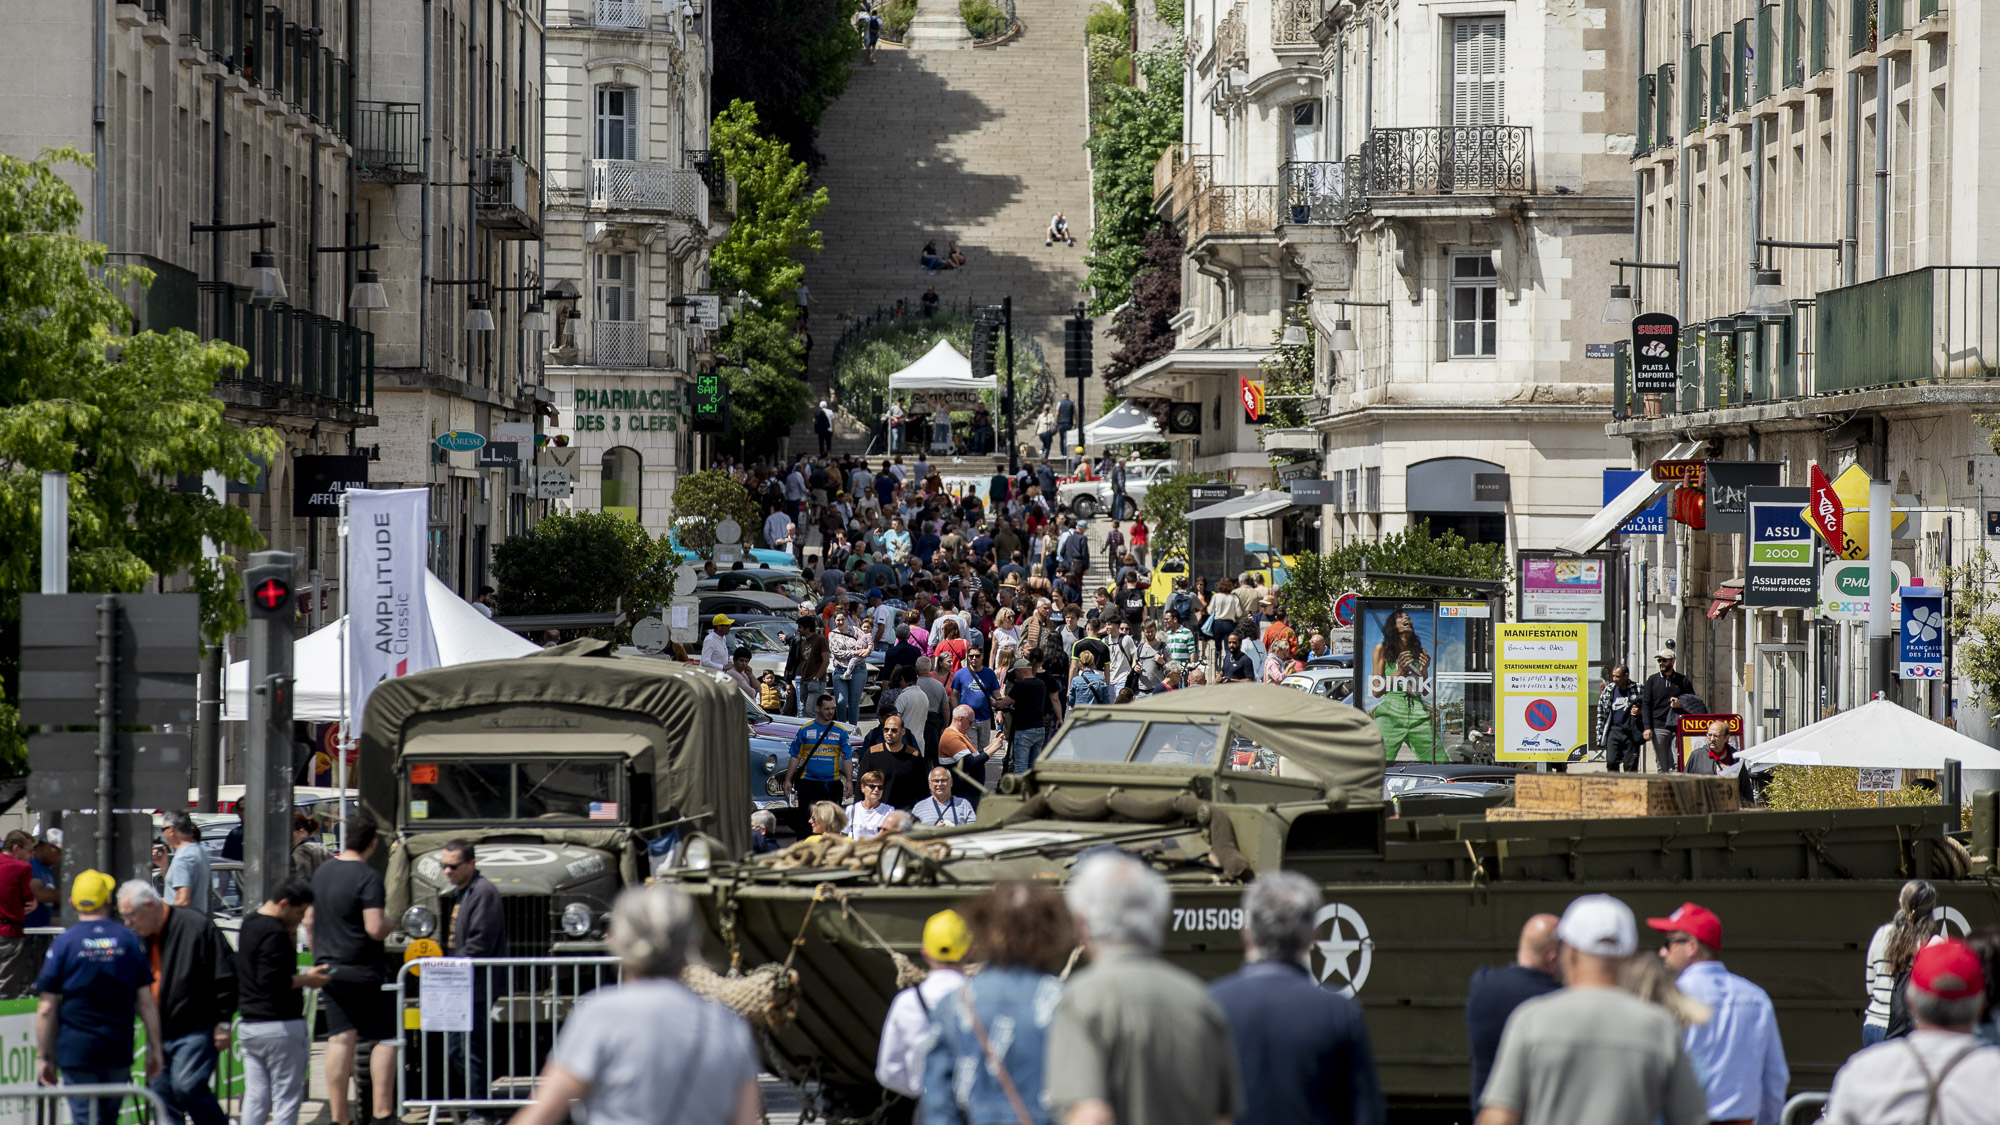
(847, 692)
(809, 693)
(1870, 1035)
(106, 1109)
(1026, 744)
(184, 1083)
(465, 1051)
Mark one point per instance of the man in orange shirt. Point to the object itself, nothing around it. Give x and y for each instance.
(1277, 629)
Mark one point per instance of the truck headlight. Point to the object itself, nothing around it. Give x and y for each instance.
(696, 854)
(419, 922)
(576, 919)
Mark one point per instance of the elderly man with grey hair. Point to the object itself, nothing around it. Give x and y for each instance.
(1135, 1041)
(1303, 1049)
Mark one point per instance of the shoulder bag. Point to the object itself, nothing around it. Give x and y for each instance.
(993, 1061)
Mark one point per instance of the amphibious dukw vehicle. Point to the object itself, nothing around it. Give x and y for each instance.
(1215, 785)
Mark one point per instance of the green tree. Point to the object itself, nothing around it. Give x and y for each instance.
(1975, 622)
(1131, 127)
(583, 562)
(706, 498)
(125, 415)
(765, 374)
(1165, 508)
(1417, 551)
(791, 57)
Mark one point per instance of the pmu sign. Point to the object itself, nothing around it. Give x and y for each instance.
(1780, 568)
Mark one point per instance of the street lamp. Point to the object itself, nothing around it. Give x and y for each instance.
(267, 285)
(1767, 297)
(1618, 308)
(368, 292)
(536, 319)
(1343, 339)
(478, 315)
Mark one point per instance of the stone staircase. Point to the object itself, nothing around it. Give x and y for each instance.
(979, 146)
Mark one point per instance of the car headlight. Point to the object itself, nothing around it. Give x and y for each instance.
(576, 920)
(420, 921)
(696, 854)
(894, 865)
(771, 765)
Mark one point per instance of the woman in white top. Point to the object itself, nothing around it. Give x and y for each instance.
(865, 817)
(1890, 953)
(1005, 635)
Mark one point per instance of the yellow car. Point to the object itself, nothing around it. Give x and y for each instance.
(1271, 568)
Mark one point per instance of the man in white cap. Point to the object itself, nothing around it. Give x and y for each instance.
(715, 646)
(1593, 1051)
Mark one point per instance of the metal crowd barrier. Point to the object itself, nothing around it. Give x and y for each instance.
(1803, 1109)
(51, 1103)
(518, 1005)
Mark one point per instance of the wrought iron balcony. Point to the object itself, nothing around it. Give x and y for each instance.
(618, 343)
(1934, 325)
(1224, 209)
(1448, 160)
(297, 358)
(633, 15)
(640, 185)
(1321, 191)
(387, 141)
(707, 163)
(1193, 176)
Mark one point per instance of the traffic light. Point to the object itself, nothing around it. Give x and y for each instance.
(267, 585)
(1076, 347)
(983, 326)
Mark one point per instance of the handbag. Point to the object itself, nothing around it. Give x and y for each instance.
(993, 1061)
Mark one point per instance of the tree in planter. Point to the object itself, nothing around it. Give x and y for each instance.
(1165, 510)
(583, 562)
(126, 416)
(704, 499)
(1141, 326)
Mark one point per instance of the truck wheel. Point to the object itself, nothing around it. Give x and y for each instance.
(1084, 507)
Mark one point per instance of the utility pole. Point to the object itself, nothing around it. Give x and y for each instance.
(1007, 326)
(267, 773)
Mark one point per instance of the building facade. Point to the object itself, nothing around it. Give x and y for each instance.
(1470, 184)
(225, 114)
(1835, 145)
(636, 202)
(450, 162)
(1418, 191)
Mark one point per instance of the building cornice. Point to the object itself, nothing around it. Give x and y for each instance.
(1363, 416)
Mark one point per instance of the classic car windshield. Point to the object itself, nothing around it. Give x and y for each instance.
(569, 789)
(1107, 740)
(1177, 744)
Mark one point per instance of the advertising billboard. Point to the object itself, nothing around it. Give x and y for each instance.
(1922, 634)
(1396, 643)
(1782, 568)
(1562, 588)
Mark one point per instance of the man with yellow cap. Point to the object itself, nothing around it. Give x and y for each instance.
(900, 1065)
(95, 978)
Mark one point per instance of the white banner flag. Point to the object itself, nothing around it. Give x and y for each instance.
(388, 622)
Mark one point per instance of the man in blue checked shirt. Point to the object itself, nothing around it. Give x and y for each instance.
(821, 752)
(1737, 1051)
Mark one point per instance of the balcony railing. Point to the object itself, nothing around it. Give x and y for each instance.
(633, 15)
(1233, 209)
(1292, 22)
(1934, 325)
(639, 185)
(1448, 160)
(707, 163)
(300, 353)
(618, 343)
(1232, 37)
(387, 139)
(1320, 191)
(1191, 178)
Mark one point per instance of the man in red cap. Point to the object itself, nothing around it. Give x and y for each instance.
(1936, 1075)
(1737, 1052)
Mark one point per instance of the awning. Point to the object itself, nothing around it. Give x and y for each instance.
(1725, 597)
(1254, 506)
(1637, 496)
(1127, 425)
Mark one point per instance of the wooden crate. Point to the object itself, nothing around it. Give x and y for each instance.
(1528, 814)
(1598, 795)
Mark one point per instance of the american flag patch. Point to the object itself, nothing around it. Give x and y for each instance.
(604, 810)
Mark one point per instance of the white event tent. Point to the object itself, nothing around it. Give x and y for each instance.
(464, 636)
(1876, 735)
(1127, 425)
(942, 370)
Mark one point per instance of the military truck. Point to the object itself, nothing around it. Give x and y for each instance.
(1215, 785)
(564, 768)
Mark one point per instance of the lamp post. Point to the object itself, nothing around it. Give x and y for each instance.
(367, 292)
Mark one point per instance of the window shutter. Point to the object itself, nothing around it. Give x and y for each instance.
(631, 287)
(1478, 71)
(631, 124)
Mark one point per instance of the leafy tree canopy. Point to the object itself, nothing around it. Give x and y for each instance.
(1319, 579)
(1141, 326)
(126, 416)
(583, 562)
(1132, 126)
(706, 498)
(1165, 508)
(792, 58)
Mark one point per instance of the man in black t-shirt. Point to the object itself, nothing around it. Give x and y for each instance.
(347, 933)
(1027, 710)
(1132, 601)
(903, 767)
(277, 1045)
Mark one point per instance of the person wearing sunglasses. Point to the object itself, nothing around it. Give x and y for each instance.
(474, 925)
(865, 817)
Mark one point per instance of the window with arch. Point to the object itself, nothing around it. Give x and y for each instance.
(618, 482)
(617, 123)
